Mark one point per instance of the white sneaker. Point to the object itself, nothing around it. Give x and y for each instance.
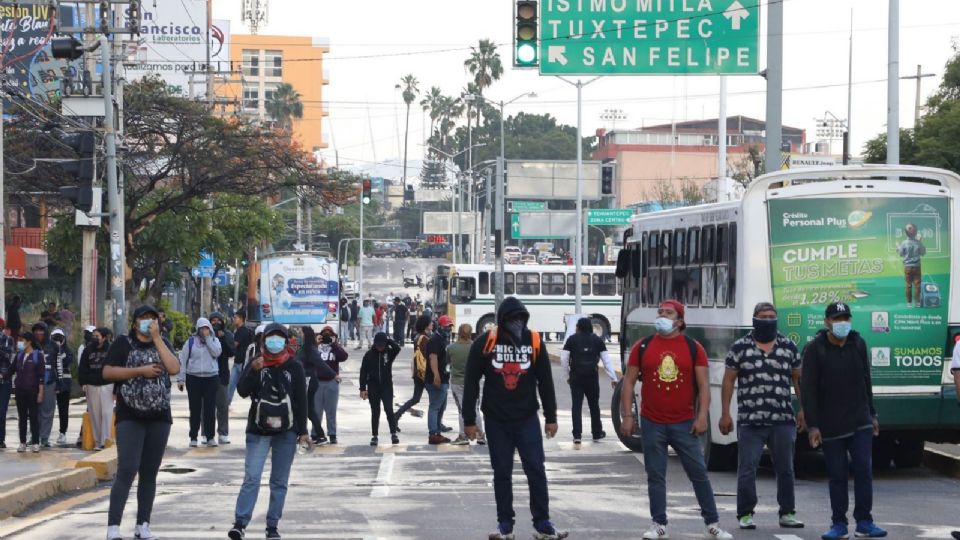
(35, 448)
(656, 532)
(714, 531)
(211, 443)
(62, 439)
(193, 443)
(22, 448)
(113, 533)
(143, 531)
(224, 439)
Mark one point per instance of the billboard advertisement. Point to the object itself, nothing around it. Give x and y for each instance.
(888, 258)
(299, 289)
(25, 33)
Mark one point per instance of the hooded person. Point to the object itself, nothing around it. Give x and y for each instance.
(277, 422)
(51, 352)
(64, 384)
(227, 352)
(201, 373)
(327, 396)
(515, 367)
(376, 383)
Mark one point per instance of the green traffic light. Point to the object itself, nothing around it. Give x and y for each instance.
(526, 53)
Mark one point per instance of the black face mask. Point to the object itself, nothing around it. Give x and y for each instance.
(218, 327)
(764, 330)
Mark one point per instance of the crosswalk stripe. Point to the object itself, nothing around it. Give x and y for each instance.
(788, 537)
(381, 489)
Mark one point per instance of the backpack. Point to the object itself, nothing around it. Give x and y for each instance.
(274, 412)
(583, 356)
(146, 398)
(419, 359)
(492, 342)
(345, 314)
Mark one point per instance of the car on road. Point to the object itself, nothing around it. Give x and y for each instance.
(528, 259)
(391, 249)
(553, 259)
(512, 254)
(434, 250)
(543, 256)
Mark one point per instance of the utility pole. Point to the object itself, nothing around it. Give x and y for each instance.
(893, 84)
(846, 133)
(774, 122)
(88, 253)
(115, 197)
(206, 283)
(917, 107)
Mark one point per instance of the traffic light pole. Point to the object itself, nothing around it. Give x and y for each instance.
(114, 198)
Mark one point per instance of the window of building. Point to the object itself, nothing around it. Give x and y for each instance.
(554, 284)
(269, 90)
(251, 62)
(528, 283)
(251, 97)
(273, 63)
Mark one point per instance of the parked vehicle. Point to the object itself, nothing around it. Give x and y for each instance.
(512, 254)
(434, 250)
(528, 259)
(391, 249)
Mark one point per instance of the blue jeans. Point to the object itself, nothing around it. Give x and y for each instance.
(860, 461)
(284, 446)
(438, 400)
(235, 373)
(656, 437)
(781, 439)
(523, 437)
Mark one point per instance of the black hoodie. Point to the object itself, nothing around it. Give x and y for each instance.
(376, 370)
(512, 375)
(835, 386)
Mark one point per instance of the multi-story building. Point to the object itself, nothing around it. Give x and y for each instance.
(264, 63)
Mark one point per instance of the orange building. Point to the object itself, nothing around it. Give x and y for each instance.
(267, 61)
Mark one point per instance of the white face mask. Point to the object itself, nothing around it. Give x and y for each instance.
(663, 325)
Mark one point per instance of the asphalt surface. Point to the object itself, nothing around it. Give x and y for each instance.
(383, 276)
(413, 490)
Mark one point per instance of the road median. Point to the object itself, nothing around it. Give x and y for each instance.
(19, 494)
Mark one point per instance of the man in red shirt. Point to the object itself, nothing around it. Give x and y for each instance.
(674, 401)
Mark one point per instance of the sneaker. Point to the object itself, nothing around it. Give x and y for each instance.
(546, 531)
(113, 533)
(211, 443)
(437, 438)
(236, 532)
(224, 439)
(417, 413)
(714, 531)
(598, 436)
(193, 443)
(576, 440)
(746, 522)
(22, 448)
(955, 535)
(374, 441)
(790, 521)
(445, 429)
(656, 532)
(481, 439)
(45, 443)
(320, 441)
(461, 440)
(333, 439)
(142, 531)
(35, 448)
(504, 531)
(62, 438)
(272, 533)
(394, 439)
(869, 529)
(836, 532)
(3, 444)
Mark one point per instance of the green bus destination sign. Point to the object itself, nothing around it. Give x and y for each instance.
(649, 37)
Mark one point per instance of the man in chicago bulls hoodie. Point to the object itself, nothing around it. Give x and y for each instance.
(514, 364)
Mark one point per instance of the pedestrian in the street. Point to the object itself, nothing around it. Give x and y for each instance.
(328, 385)
(674, 407)
(400, 314)
(354, 319)
(166, 326)
(424, 328)
(515, 367)
(66, 318)
(277, 423)
(379, 317)
(28, 369)
(140, 365)
(376, 384)
(14, 323)
(764, 365)
(415, 313)
(227, 352)
(51, 352)
(99, 391)
(345, 320)
(8, 351)
(837, 399)
(309, 356)
(436, 380)
(201, 373)
(50, 316)
(242, 338)
(458, 352)
(64, 385)
(578, 359)
(365, 319)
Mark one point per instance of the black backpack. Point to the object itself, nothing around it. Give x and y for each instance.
(274, 412)
(345, 314)
(583, 356)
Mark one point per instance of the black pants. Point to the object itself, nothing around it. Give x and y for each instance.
(202, 395)
(5, 389)
(399, 331)
(377, 396)
(63, 410)
(588, 387)
(140, 447)
(28, 410)
(417, 395)
(316, 430)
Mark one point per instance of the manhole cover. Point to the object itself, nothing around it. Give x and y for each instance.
(177, 470)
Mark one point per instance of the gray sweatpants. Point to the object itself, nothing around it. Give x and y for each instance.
(47, 409)
(457, 391)
(223, 411)
(325, 401)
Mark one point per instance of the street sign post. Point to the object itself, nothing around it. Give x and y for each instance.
(649, 37)
(527, 206)
(613, 216)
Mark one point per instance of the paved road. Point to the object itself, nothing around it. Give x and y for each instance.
(383, 277)
(413, 490)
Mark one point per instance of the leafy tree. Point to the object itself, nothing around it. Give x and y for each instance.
(748, 167)
(527, 136)
(284, 106)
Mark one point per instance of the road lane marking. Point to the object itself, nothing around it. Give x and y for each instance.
(787, 537)
(381, 489)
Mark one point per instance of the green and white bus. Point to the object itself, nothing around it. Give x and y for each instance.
(803, 239)
(465, 292)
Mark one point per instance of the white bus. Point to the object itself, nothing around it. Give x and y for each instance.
(803, 239)
(465, 292)
(298, 287)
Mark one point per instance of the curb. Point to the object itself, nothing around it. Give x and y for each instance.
(17, 495)
(942, 462)
(103, 463)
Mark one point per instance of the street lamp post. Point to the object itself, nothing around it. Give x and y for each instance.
(454, 202)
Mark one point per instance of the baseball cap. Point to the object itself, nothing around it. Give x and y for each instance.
(837, 308)
(676, 305)
(445, 321)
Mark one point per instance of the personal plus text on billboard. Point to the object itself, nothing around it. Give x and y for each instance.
(301, 289)
(888, 258)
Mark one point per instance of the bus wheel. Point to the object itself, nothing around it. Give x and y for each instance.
(633, 442)
(718, 457)
(600, 327)
(908, 453)
(486, 323)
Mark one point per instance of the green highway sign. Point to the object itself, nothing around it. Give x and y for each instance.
(527, 206)
(516, 235)
(649, 37)
(613, 217)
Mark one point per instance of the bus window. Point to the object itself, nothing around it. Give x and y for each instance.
(693, 267)
(653, 280)
(528, 283)
(584, 284)
(555, 284)
(721, 258)
(732, 287)
(644, 268)
(484, 283)
(441, 291)
(463, 290)
(507, 282)
(679, 265)
(708, 273)
(666, 265)
(604, 285)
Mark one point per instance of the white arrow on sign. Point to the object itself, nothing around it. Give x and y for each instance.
(736, 13)
(556, 54)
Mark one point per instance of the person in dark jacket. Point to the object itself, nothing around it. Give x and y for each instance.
(266, 434)
(28, 369)
(376, 383)
(514, 370)
(227, 352)
(313, 366)
(8, 349)
(328, 387)
(51, 352)
(424, 328)
(578, 359)
(837, 397)
(242, 338)
(400, 314)
(65, 359)
(14, 323)
(99, 392)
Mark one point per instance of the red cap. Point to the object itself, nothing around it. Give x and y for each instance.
(676, 305)
(445, 321)
(328, 328)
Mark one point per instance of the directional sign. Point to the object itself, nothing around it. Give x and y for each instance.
(517, 234)
(202, 271)
(614, 216)
(654, 37)
(527, 206)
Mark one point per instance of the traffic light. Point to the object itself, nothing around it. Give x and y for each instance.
(365, 196)
(606, 179)
(525, 47)
(84, 143)
(66, 48)
(408, 195)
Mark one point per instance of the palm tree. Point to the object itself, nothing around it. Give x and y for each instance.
(408, 84)
(431, 105)
(284, 106)
(485, 66)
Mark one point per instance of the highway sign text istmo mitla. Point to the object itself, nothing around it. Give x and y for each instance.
(649, 37)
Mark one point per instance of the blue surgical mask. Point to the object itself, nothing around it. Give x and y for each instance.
(21, 346)
(663, 325)
(841, 329)
(144, 326)
(275, 344)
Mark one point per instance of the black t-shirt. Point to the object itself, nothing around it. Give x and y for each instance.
(585, 350)
(243, 337)
(438, 346)
(117, 356)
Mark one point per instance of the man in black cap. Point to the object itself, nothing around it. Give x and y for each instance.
(837, 397)
(579, 359)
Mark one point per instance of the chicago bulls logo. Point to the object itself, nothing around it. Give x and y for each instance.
(511, 364)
